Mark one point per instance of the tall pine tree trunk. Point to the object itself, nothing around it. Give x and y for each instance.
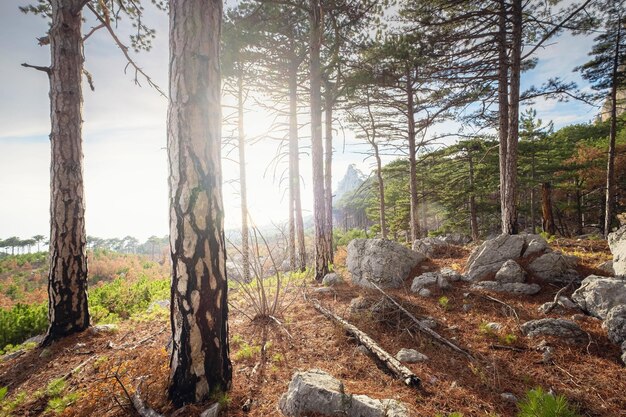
(547, 221)
(294, 164)
(610, 166)
(328, 166)
(243, 190)
(317, 151)
(509, 208)
(67, 282)
(200, 364)
(472, 198)
(381, 191)
(414, 214)
(503, 105)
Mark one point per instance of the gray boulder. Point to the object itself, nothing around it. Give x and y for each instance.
(331, 279)
(598, 295)
(430, 246)
(424, 280)
(617, 244)
(537, 245)
(615, 324)
(554, 267)
(383, 262)
(492, 254)
(510, 271)
(561, 328)
(458, 239)
(517, 288)
(316, 391)
(410, 356)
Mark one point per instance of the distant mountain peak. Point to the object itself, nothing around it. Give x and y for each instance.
(352, 179)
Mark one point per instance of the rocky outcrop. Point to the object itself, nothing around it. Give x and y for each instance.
(383, 262)
(430, 246)
(317, 392)
(561, 328)
(554, 267)
(489, 257)
(598, 295)
(615, 324)
(617, 244)
(510, 272)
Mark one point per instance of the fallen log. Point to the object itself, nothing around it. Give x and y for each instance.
(389, 362)
(425, 329)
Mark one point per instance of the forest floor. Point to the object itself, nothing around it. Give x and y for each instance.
(94, 366)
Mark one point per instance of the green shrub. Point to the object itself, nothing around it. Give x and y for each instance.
(539, 403)
(444, 302)
(342, 238)
(21, 322)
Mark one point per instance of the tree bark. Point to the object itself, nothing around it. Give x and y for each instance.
(243, 189)
(67, 281)
(328, 166)
(381, 191)
(610, 166)
(414, 214)
(319, 209)
(472, 198)
(547, 222)
(199, 364)
(294, 164)
(503, 105)
(509, 208)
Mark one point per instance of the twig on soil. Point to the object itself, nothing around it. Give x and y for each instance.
(136, 401)
(425, 329)
(494, 299)
(555, 302)
(391, 364)
(503, 347)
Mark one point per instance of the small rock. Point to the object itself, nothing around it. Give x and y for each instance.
(443, 283)
(428, 278)
(509, 287)
(428, 322)
(45, 353)
(607, 267)
(410, 356)
(561, 328)
(615, 324)
(362, 350)
(359, 304)
(579, 317)
(317, 392)
(212, 411)
(510, 272)
(507, 396)
(331, 279)
(424, 292)
(494, 326)
(158, 305)
(467, 307)
(323, 290)
(35, 339)
(450, 274)
(103, 328)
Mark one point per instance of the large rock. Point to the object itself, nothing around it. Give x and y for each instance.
(517, 288)
(316, 391)
(598, 295)
(561, 328)
(615, 324)
(537, 245)
(430, 246)
(617, 244)
(456, 239)
(383, 262)
(331, 279)
(554, 267)
(493, 253)
(510, 271)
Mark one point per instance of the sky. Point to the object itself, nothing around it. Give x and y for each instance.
(124, 132)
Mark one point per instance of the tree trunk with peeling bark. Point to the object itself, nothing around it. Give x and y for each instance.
(328, 167)
(199, 364)
(317, 152)
(67, 282)
(503, 106)
(414, 219)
